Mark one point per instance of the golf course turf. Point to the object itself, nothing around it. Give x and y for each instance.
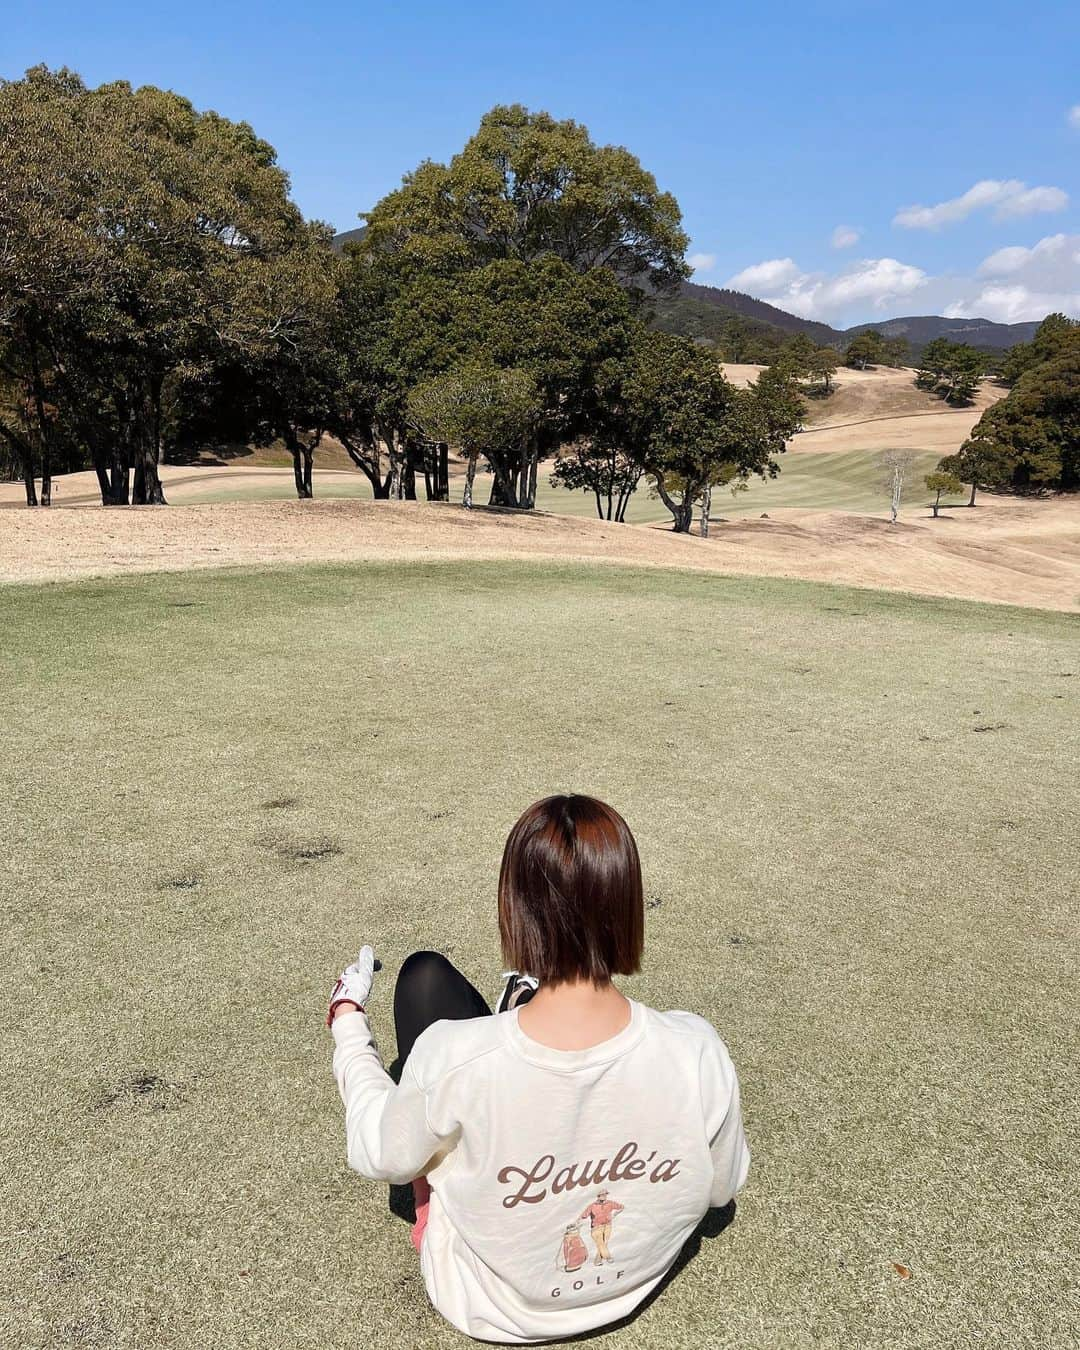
(857, 813)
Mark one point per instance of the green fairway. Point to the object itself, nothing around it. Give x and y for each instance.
(832, 480)
(857, 814)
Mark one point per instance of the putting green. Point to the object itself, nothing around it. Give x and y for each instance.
(857, 813)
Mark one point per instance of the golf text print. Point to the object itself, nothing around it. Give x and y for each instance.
(534, 1183)
(573, 1253)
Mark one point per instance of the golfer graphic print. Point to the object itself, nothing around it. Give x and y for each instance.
(600, 1215)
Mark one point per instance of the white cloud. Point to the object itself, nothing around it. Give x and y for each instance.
(702, 262)
(873, 283)
(845, 235)
(1011, 285)
(1002, 304)
(1055, 251)
(1073, 117)
(1009, 199)
(765, 275)
(1017, 284)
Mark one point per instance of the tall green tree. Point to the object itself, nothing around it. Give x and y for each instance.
(561, 327)
(951, 370)
(1030, 440)
(865, 349)
(702, 431)
(527, 186)
(131, 225)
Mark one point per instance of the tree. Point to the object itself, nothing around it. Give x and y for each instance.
(699, 431)
(897, 464)
(609, 473)
(951, 370)
(479, 408)
(567, 330)
(865, 349)
(796, 357)
(1030, 440)
(895, 352)
(133, 231)
(736, 339)
(938, 482)
(526, 187)
(823, 365)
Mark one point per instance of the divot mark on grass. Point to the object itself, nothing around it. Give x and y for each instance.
(141, 1086)
(188, 882)
(654, 902)
(990, 726)
(325, 848)
(280, 803)
(740, 940)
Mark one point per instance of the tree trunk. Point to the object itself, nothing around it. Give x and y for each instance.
(28, 477)
(370, 466)
(302, 490)
(44, 427)
(706, 506)
(971, 501)
(682, 512)
(502, 487)
(104, 486)
(397, 468)
(534, 459)
(120, 477)
(309, 455)
(470, 476)
(147, 490)
(599, 502)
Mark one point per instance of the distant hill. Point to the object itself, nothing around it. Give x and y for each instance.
(348, 237)
(738, 303)
(925, 328)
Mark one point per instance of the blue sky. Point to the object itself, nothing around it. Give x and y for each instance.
(774, 124)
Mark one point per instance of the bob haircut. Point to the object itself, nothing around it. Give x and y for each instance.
(570, 901)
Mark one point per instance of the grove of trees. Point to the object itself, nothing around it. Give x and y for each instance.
(159, 290)
(1030, 440)
(951, 370)
(871, 348)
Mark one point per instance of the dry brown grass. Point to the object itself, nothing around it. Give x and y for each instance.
(1006, 550)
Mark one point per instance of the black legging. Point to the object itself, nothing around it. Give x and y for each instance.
(429, 988)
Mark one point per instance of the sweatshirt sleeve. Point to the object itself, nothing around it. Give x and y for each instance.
(723, 1122)
(387, 1134)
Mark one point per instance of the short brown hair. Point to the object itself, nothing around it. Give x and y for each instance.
(570, 901)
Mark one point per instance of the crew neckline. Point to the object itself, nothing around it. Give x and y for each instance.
(567, 1061)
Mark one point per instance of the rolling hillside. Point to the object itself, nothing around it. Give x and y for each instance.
(922, 329)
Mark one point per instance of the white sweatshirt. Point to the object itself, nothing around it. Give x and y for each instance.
(520, 1142)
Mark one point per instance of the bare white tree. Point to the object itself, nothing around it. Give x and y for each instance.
(897, 464)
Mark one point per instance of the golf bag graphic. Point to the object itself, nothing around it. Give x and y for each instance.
(572, 1251)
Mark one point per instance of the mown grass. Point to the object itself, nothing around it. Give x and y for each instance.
(843, 480)
(857, 813)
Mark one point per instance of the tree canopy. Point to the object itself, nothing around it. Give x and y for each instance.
(142, 241)
(1030, 440)
(527, 186)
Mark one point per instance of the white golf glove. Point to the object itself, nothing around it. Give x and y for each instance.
(354, 983)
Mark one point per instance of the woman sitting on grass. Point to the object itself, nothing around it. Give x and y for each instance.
(573, 1103)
